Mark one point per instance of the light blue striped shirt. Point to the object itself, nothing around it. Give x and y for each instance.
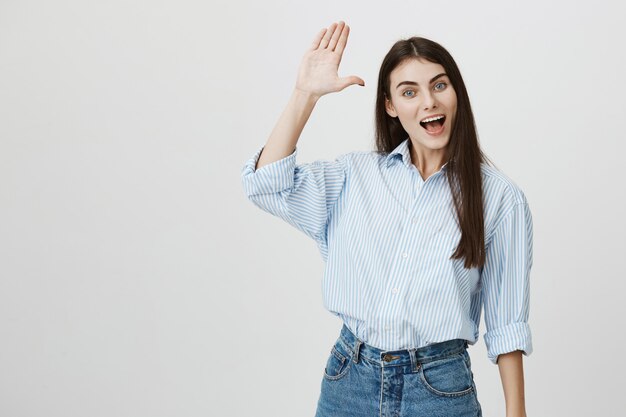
(386, 236)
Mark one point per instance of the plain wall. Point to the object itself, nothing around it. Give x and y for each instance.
(136, 279)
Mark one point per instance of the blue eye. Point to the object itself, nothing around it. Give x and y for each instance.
(444, 84)
(408, 91)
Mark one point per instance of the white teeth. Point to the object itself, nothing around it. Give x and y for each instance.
(430, 119)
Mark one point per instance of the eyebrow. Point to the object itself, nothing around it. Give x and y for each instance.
(414, 83)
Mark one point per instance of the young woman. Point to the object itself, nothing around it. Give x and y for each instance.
(417, 237)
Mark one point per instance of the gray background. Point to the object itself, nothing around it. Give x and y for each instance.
(137, 280)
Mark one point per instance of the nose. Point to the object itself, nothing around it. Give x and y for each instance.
(429, 101)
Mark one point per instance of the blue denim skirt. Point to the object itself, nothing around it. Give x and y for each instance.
(363, 381)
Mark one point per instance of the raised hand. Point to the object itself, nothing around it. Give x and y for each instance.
(318, 73)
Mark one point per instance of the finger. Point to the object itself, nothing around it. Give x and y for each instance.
(343, 39)
(347, 81)
(327, 35)
(336, 34)
(317, 39)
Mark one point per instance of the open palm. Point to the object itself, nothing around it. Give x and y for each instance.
(318, 73)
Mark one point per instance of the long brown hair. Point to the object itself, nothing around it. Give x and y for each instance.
(464, 153)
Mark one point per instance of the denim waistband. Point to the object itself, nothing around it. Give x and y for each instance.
(411, 356)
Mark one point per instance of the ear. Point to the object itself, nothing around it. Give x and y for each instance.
(391, 111)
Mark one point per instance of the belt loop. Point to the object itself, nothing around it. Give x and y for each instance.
(357, 349)
(413, 356)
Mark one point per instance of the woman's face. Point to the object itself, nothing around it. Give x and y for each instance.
(420, 89)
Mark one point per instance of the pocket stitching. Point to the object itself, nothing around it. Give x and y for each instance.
(446, 239)
(338, 355)
(442, 393)
(341, 358)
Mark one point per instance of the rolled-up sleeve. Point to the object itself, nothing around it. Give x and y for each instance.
(506, 284)
(304, 195)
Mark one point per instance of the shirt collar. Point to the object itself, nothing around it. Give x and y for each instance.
(403, 151)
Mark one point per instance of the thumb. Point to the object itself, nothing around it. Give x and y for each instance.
(347, 81)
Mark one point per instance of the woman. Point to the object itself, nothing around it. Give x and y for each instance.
(417, 236)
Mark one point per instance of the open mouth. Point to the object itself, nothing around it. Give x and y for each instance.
(434, 124)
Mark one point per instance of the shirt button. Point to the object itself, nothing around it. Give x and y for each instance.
(415, 221)
(404, 255)
(387, 328)
(394, 290)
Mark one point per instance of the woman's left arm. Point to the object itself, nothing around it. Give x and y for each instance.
(512, 376)
(506, 295)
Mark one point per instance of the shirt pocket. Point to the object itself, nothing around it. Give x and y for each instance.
(445, 239)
